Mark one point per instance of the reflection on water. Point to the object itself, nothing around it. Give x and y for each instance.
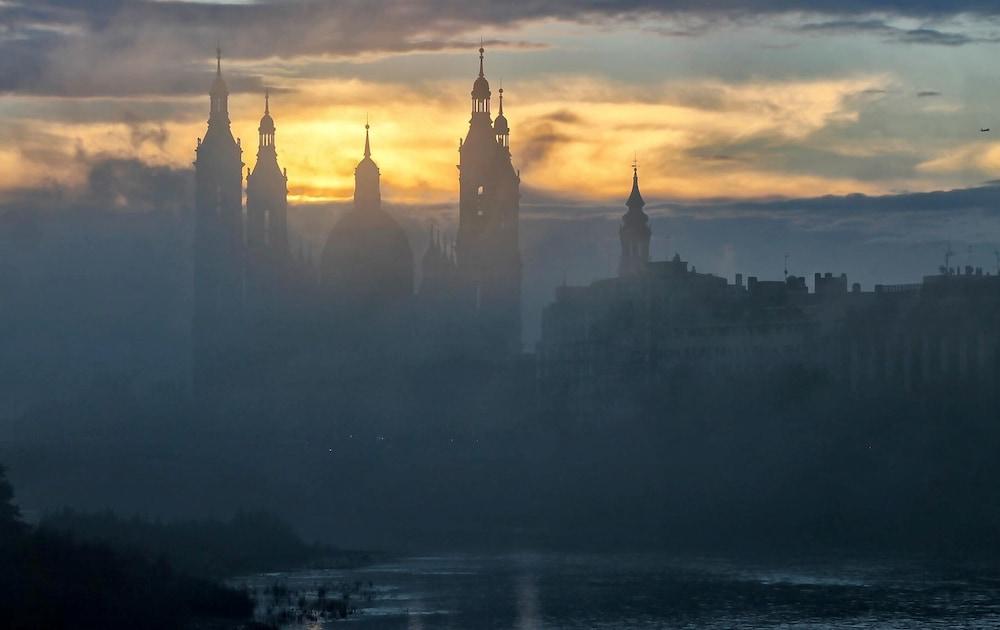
(543, 591)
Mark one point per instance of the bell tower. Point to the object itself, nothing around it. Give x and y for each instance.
(487, 249)
(634, 231)
(267, 228)
(218, 240)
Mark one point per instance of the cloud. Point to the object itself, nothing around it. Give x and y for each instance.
(142, 47)
(984, 198)
(891, 33)
(977, 158)
(111, 185)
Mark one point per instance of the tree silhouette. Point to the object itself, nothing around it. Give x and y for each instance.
(10, 516)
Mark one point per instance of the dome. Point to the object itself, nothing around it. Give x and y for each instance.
(367, 262)
(366, 168)
(481, 88)
(267, 124)
(500, 125)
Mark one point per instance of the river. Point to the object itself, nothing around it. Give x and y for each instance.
(569, 591)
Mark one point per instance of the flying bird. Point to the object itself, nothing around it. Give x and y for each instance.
(984, 130)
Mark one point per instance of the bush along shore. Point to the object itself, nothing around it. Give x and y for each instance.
(102, 571)
(278, 604)
(249, 542)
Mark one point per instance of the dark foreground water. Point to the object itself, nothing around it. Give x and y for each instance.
(531, 590)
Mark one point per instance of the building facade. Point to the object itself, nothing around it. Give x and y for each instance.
(660, 322)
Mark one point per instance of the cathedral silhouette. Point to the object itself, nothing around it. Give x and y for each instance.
(262, 315)
(253, 298)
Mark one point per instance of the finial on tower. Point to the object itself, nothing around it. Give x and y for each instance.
(501, 97)
(368, 150)
(218, 60)
(481, 51)
(267, 101)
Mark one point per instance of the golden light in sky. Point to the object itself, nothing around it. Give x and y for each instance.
(780, 120)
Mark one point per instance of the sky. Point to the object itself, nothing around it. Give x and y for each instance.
(844, 133)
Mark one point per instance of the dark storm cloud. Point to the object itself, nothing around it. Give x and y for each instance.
(539, 142)
(78, 48)
(893, 34)
(768, 153)
(873, 210)
(895, 216)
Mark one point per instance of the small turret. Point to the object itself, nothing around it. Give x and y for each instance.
(500, 126)
(481, 90)
(266, 128)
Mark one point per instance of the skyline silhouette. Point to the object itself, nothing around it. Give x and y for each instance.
(692, 318)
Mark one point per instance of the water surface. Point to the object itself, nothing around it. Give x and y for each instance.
(570, 591)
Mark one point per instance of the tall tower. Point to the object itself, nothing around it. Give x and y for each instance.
(267, 228)
(634, 232)
(218, 239)
(488, 253)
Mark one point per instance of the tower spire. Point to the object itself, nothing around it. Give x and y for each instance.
(267, 101)
(501, 97)
(481, 51)
(635, 198)
(634, 231)
(368, 149)
(219, 93)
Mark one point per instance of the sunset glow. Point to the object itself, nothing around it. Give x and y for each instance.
(697, 130)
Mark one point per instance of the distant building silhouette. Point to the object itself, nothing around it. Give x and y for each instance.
(218, 239)
(658, 323)
(259, 306)
(488, 251)
(367, 264)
